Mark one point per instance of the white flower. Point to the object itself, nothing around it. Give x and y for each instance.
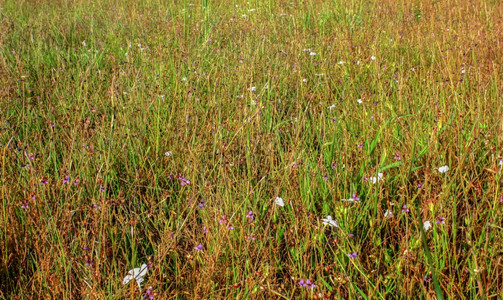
(427, 225)
(375, 180)
(372, 58)
(253, 89)
(279, 201)
(307, 50)
(359, 101)
(84, 43)
(137, 273)
(184, 79)
(388, 214)
(312, 53)
(341, 62)
(168, 153)
(329, 221)
(501, 162)
(304, 80)
(331, 106)
(443, 169)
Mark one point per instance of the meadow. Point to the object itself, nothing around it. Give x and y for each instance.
(251, 149)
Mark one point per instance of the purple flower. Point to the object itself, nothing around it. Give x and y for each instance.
(89, 262)
(334, 165)
(95, 206)
(205, 230)
(43, 181)
(25, 205)
(149, 294)
(66, 179)
(372, 118)
(353, 255)
(31, 156)
(405, 209)
(355, 197)
(360, 145)
(76, 181)
(183, 180)
(440, 220)
(102, 188)
(249, 215)
(251, 237)
(397, 157)
(230, 227)
(199, 247)
(427, 279)
(222, 220)
(307, 283)
(419, 186)
(202, 204)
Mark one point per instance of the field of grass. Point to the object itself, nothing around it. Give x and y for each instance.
(167, 133)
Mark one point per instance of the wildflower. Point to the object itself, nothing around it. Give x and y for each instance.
(360, 145)
(331, 107)
(427, 225)
(307, 50)
(443, 169)
(341, 62)
(102, 188)
(149, 294)
(31, 156)
(168, 153)
(249, 215)
(199, 247)
(334, 165)
(501, 163)
(66, 179)
(76, 181)
(312, 53)
(95, 206)
(137, 274)
(184, 79)
(251, 237)
(202, 204)
(230, 227)
(183, 180)
(405, 209)
(352, 199)
(372, 58)
(279, 201)
(205, 230)
(223, 220)
(372, 118)
(440, 220)
(419, 186)
(329, 221)
(388, 214)
(359, 101)
(43, 181)
(427, 279)
(307, 283)
(375, 180)
(397, 157)
(352, 255)
(25, 205)
(89, 262)
(304, 80)
(84, 43)
(253, 89)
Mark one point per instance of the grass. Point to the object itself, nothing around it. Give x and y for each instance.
(110, 108)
